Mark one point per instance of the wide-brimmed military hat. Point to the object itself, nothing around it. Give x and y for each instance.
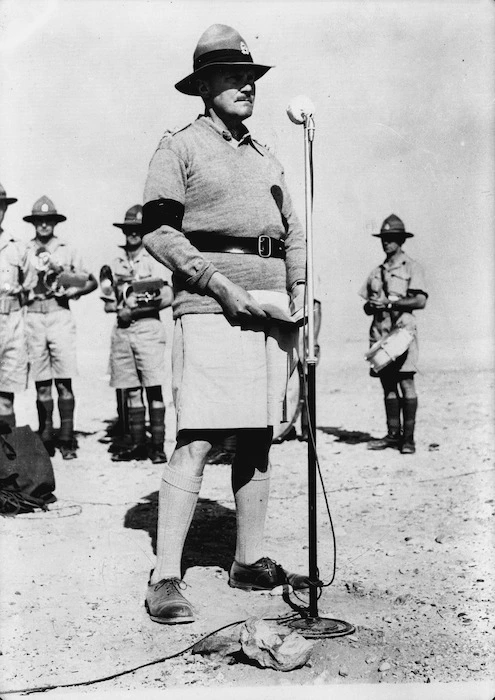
(393, 226)
(44, 208)
(133, 218)
(4, 199)
(219, 45)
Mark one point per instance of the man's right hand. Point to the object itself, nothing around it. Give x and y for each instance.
(235, 301)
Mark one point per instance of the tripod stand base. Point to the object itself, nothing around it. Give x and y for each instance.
(322, 627)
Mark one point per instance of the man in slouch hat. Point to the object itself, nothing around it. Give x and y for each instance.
(137, 352)
(220, 217)
(393, 291)
(17, 278)
(50, 326)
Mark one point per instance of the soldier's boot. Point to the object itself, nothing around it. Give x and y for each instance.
(409, 408)
(393, 437)
(137, 429)
(45, 431)
(66, 441)
(157, 426)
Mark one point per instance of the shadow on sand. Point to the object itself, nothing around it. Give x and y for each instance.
(350, 437)
(211, 537)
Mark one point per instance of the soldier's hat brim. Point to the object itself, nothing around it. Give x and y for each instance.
(128, 225)
(389, 234)
(8, 200)
(189, 86)
(32, 218)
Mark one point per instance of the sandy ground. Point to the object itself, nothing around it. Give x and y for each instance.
(414, 554)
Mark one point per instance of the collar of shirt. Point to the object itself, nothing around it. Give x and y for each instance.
(246, 138)
(5, 239)
(123, 255)
(398, 261)
(51, 246)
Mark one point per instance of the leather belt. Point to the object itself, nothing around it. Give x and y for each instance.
(264, 246)
(45, 306)
(8, 304)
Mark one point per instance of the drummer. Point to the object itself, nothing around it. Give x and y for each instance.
(392, 291)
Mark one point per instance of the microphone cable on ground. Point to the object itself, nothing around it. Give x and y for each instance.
(119, 674)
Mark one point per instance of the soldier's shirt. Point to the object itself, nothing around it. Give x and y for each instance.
(143, 266)
(59, 253)
(15, 268)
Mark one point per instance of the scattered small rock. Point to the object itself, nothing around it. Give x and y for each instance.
(344, 672)
(433, 446)
(384, 666)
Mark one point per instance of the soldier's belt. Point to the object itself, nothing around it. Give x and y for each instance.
(264, 246)
(46, 306)
(8, 304)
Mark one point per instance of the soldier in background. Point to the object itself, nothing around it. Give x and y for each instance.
(17, 278)
(392, 292)
(137, 357)
(50, 325)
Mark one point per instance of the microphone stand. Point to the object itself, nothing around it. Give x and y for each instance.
(312, 625)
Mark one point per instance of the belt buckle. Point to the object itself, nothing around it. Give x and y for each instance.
(264, 246)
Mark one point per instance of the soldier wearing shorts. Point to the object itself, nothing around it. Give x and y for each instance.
(137, 354)
(50, 325)
(219, 215)
(393, 291)
(17, 278)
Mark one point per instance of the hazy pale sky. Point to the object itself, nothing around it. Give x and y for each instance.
(404, 123)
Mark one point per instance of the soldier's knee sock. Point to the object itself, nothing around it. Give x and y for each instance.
(251, 505)
(66, 410)
(45, 416)
(410, 406)
(8, 418)
(392, 411)
(137, 424)
(178, 498)
(157, 425)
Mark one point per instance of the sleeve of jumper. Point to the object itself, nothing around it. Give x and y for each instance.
(295, 242)
(417, 282)
(166, 185)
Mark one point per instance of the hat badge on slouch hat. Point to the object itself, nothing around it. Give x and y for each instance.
(219, 45)
(133, 218)
(44, 208)
(393, 226)
(4, 199)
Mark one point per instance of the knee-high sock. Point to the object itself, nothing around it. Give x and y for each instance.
(251, 501)
(157, 425)
(392, 411)
(177, 502)
(8, 418)
(137, 424)
(409, 407)
(45, 416)
(66, 410)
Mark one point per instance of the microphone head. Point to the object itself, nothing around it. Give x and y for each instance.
(299, 108)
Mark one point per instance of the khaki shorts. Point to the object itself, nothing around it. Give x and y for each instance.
(13, 352)
(51, 344)
(228, 377)
(137, 354)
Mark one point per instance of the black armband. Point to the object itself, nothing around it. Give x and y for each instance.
(162, 212)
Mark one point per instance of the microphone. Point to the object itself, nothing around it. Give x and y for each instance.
(300, 109)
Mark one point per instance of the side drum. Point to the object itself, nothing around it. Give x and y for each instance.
(388, 349)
